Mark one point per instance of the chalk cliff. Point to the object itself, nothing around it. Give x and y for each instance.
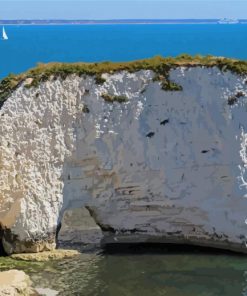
(149, 163)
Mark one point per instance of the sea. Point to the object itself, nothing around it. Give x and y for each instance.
(147, 271)
(32, 44)
(139, 272)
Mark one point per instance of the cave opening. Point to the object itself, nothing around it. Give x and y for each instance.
(164, 248)
(2, 252)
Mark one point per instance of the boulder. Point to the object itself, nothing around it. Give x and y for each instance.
(15, 283)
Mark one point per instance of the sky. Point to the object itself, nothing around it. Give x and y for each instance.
(120, 9)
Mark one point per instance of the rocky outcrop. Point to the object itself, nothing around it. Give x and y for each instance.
(46, 256)
(150, 163)
(79, 230)
(15, 283)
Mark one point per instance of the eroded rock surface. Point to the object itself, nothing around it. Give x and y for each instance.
(165, 166)
(79, 229)
(15, 283)
(46, 256)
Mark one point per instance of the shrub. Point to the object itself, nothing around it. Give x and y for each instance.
(85, 109)
(112, 98)
(99, 79)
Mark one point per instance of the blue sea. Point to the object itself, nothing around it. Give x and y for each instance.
(29, 45)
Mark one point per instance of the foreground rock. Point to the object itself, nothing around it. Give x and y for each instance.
(15, 283)
(151, 162)
(46, 256)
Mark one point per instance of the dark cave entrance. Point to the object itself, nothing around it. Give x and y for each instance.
(164, 248)
(2, 252)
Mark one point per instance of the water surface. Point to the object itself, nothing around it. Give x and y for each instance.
(144, 274)
(28, 45)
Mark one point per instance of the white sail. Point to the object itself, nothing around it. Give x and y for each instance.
(5, 37)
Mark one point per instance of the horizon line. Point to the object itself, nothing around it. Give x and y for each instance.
(116, 19)
(137, 20)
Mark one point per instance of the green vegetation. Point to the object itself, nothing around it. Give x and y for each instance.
(161, 66)
(113, 98)
(6, 263)
(7, 86)
(168, 85)
(99, 80)
(85, 109)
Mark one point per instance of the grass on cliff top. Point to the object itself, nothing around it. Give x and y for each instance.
(160, 65)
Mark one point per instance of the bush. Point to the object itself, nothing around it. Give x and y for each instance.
(110, 99)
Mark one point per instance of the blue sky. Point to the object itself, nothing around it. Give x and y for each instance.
(120, 9)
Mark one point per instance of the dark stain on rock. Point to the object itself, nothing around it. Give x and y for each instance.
(150, 135)
(2, 252)
(205, 151)
(134, 230)
(164, 122)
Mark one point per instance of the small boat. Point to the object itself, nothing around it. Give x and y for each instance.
(228, 21)
(4, 35)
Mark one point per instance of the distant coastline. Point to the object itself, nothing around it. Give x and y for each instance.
(120, 21)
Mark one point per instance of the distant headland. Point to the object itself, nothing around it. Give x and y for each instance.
(117, 21)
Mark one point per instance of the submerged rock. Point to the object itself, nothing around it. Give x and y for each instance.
(46, 256)
(15, 283)
(163, 165)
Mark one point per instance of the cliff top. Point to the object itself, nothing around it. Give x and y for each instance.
(160, 65)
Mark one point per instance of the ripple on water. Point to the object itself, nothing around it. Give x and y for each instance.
(143, 274)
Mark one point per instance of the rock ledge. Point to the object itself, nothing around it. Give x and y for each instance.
(46, 256)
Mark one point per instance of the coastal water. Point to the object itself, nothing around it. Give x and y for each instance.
(140, 274)
(28, 45)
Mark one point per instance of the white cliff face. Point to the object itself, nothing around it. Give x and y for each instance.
(164, 166)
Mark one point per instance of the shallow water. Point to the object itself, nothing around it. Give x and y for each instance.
(28, 45)
(145, 274)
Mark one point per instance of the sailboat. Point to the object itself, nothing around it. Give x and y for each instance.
(4, 35)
